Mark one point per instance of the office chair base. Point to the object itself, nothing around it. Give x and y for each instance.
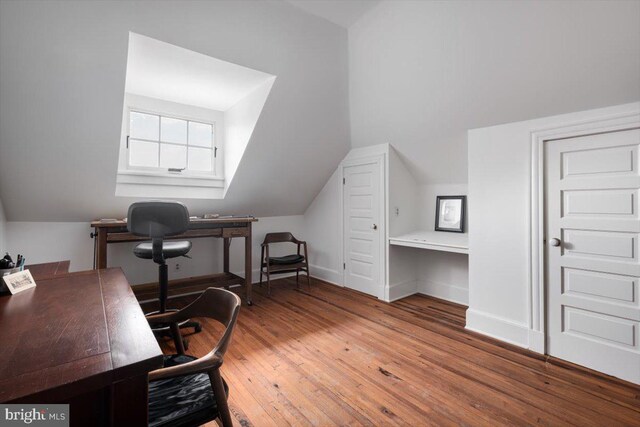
(184, 324)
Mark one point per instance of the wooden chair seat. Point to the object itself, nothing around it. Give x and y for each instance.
(286, 260)
(182, 401)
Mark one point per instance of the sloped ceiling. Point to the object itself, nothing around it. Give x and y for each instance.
(160, 70)
(62, 76)
(341, 12)
(424, 72)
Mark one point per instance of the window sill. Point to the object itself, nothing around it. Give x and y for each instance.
(153, 184)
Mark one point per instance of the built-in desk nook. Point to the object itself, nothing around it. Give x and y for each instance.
(434, 240)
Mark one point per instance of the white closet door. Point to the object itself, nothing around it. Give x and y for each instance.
(361, 210)
(592, 251)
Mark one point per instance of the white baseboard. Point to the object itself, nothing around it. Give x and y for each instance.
(326, 274)
(498, 327)
(536, 341)
(255, 275)
(400, 290)
(444, 291)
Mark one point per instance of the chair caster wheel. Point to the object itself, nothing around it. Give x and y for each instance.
(198, 328)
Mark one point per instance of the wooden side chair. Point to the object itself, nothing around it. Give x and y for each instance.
(284, 264)
(189, 391)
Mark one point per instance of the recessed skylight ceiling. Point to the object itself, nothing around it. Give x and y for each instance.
(164, 71)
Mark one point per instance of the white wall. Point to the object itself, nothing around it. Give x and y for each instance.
(500, 279)
(402, 218)
(55, 241)
(423, 72)
(42, 242)
(322, 222)
(3, 231)
(241, 120)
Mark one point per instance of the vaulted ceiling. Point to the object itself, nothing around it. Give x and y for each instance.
(416, 74)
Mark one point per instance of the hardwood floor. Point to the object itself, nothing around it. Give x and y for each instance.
(331, 356)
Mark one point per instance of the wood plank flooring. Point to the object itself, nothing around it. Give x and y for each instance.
(331, 356)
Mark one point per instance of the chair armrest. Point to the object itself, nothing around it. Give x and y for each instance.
(169, 317)
(204, 364)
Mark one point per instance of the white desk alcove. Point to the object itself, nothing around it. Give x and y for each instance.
(434, 240)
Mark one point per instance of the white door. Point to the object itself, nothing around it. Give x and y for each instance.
(592, 251)
(361, 210)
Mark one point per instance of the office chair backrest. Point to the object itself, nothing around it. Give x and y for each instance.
(156, 219)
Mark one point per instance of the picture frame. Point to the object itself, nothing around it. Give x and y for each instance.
(450, 213)
(20, 281)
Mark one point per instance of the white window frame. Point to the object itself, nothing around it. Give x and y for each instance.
(163, 171)
(135, 181)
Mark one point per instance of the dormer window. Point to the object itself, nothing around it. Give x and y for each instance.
(170, 144)
(187, 119)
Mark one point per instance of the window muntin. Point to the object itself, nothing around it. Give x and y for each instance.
(164, 143)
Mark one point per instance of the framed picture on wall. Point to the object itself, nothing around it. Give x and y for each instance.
(450, 212)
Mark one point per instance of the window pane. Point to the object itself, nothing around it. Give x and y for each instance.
(173, 156)
(200, 134)
(142, 153)
(144, 126)
(173, 130)
(200, 159)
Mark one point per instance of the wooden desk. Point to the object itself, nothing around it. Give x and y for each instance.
(225, 228)
(48, 269)
(81, 339)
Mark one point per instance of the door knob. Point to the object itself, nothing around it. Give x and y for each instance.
(375, 227)
(555, 242)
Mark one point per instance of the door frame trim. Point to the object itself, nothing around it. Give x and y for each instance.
(537, 286)
(378, 159)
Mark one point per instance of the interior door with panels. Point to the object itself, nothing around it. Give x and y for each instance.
(592, 251)
(361, 210)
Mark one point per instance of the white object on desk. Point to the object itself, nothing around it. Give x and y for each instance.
(434, 240)
(20, 281)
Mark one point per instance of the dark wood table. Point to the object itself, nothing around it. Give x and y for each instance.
(226, 228)
(48, 269)
(82, 339)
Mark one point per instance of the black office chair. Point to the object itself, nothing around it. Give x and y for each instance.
(159, 219)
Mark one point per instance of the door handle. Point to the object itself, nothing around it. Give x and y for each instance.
(375, 227)
(555, 242)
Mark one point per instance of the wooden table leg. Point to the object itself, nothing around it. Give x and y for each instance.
(225, 262)
(247, 263)
(130, 402)
(102, 249)
(227, 244)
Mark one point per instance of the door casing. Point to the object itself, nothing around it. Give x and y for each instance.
(537, 287)
(379, 160)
